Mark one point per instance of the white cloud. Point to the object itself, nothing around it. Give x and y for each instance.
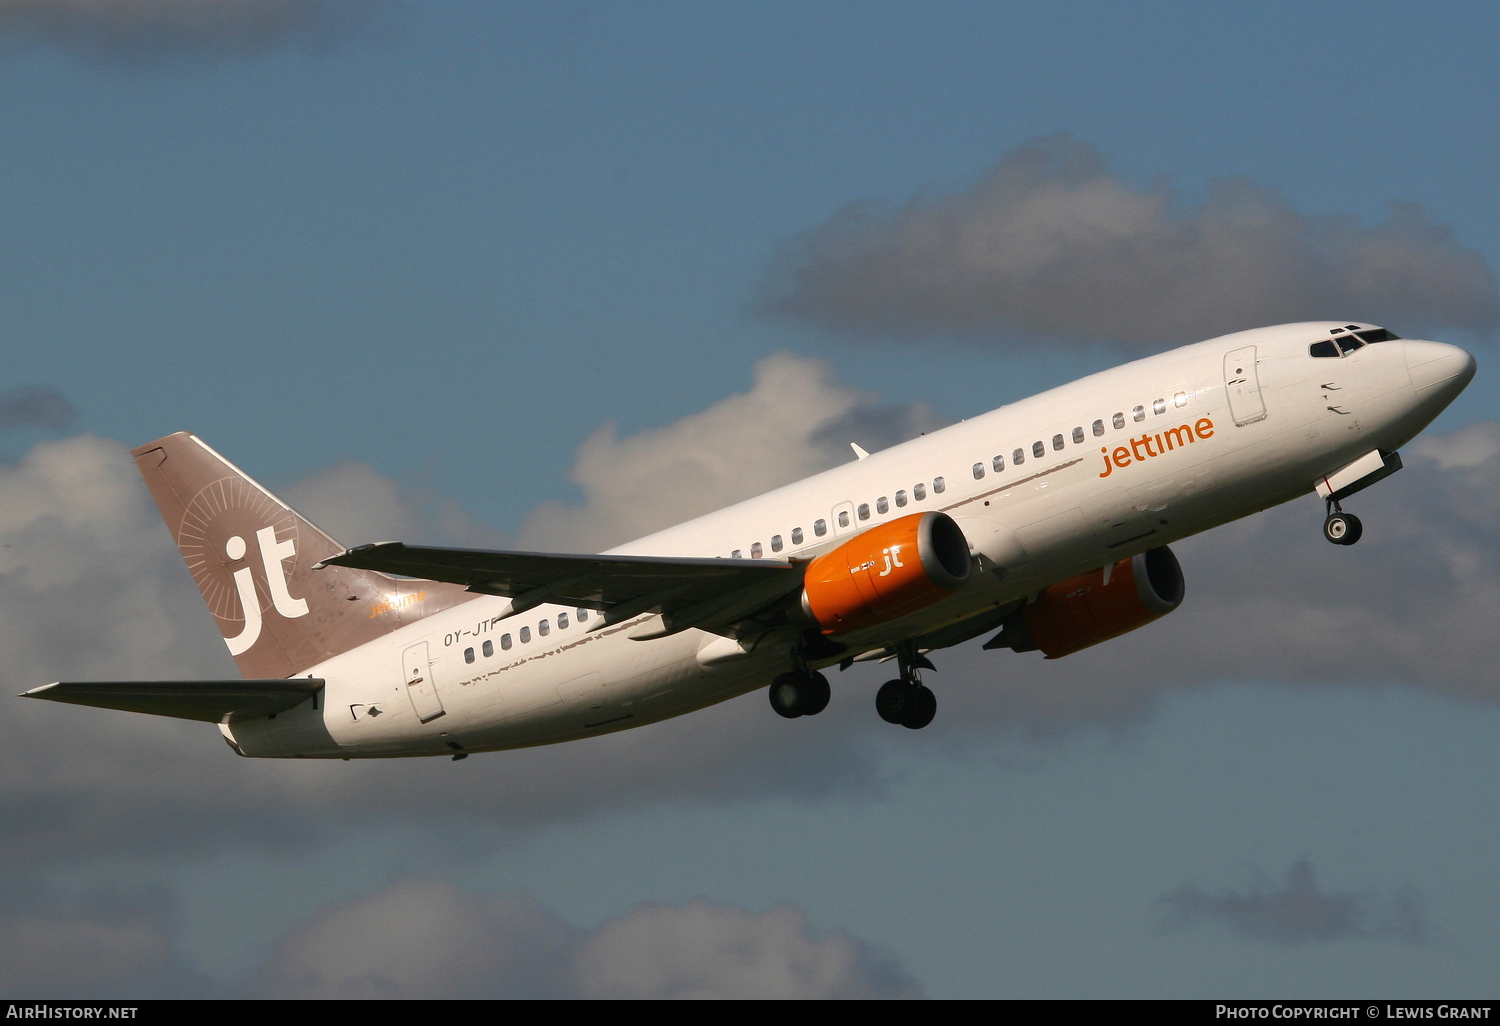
(425, 939)
(795, 421)
(1049, 243)
(704, 951)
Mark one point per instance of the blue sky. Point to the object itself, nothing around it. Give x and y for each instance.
(447, 242)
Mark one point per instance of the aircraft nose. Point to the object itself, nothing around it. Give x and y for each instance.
(1438, 371)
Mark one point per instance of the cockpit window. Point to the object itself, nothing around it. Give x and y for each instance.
(1377, 335)
(1324, 348)
(1349, 343)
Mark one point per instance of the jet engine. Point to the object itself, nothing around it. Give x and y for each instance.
(886, 572)
(1096, 606)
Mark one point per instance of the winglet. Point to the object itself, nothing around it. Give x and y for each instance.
(858, 452)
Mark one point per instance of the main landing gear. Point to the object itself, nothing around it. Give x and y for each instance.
(1341, 528)
(800, 693)
(907, 701)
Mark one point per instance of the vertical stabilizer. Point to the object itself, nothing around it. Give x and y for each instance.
(251, 556)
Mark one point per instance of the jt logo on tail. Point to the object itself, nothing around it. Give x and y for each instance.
(272, 552)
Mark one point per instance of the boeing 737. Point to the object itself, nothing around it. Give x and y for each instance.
(1045, 523)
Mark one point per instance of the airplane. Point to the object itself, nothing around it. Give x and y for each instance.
(1045, 522)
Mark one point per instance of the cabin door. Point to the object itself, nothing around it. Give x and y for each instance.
(1242, 385)
(420, 687)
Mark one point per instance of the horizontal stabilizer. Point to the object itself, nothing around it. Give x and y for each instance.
(635, 583)
(214, 701)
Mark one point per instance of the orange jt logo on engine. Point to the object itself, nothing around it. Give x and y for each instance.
(1172, 438)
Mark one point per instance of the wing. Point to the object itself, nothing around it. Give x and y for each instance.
(688, 592)
(214, 701)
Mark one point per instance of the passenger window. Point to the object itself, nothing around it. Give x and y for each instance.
(736, 554)
(938, 486)
(820, 527)
(525, 633)
(998, 463)
(543, 629)
(1018, 457)
(468, 655)
(1118, 421)
(901, 497)
(1078, 436)
(919, 491)
(755, 550)
(843, 518)
(1159, 407)
(1038, 450)
(583, 616)
(775, 543)
(489, 649)
(505, 642)
(1323, 350)
(864, 511)
(797, 535)
(1057, 443)
(562, 621)
(1098, 428)
(978, 471)
(882, 504)
(1138, 414)
(1179, 400)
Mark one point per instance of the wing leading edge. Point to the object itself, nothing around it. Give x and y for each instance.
(687, 592)
(213, 701)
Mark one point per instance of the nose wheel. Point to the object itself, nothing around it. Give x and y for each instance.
(1342, 528)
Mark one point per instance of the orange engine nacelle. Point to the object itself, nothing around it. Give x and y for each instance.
(886, 572)
(1097, 606)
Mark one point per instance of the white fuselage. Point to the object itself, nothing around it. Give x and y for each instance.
(1130, 458)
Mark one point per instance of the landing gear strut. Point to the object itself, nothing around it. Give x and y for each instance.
(907, 701)
(1341, 528)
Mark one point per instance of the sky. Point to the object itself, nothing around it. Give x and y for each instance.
(555, 275)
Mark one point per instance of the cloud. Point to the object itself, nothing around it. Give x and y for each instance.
(703, 951)
(1298, 912)
(356, 504)
(148, 32)
(795, 421)
(104, 941)
(32, 406)
(426, 939)
(1050, 244)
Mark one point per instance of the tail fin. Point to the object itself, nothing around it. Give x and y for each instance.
(252, 556)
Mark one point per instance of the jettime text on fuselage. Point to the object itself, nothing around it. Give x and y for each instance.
(1155, 445)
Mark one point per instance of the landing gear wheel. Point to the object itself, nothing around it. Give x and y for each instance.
(794, 695)
(787, 694)
(924, 709)
(1342, 528)
(817, 693)
(898, 700)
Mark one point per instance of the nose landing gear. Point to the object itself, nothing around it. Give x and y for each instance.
(906, 701)
(1341, 528)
